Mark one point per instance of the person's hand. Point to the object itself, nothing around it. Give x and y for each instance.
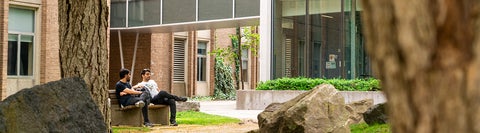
(137, 87)
(123, 93)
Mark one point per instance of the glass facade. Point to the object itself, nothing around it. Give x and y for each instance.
(177, 11)
(118, 13)
(143, 12)
(318, 39)
(214, 9)
(246, 8)
(134, 13)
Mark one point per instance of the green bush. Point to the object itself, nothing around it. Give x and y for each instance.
(224, 83)
(301, 83)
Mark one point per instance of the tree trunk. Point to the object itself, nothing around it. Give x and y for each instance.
(426, 53)
(83, 46)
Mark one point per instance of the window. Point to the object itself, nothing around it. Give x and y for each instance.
(179, 61)
(201, 61)
(244, 65)
(20, 42)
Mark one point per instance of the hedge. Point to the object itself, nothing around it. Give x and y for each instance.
(369, 84)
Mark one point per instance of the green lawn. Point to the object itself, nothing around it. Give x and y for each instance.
(364, 128)
(199, 118)
(186, 117)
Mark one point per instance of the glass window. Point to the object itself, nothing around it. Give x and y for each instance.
(143, 12)
(245, 65)
(176, 11)
(318, 39)
(201, 61)
(21, 20)
(118, 15)
(12, 54)
(214, 9)
(290, 52)
(20, 55)
(247, 8)
(20, 42)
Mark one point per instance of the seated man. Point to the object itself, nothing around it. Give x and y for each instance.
(160, 96)
(126, 93)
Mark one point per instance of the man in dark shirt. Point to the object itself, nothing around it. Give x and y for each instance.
(126, 93)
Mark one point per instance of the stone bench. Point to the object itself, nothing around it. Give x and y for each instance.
(132, 115)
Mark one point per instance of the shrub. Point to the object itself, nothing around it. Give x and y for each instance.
(224, 83)
(301, 83)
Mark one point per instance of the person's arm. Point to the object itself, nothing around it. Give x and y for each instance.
(138, 86)
(131, 91)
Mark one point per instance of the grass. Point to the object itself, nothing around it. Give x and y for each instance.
(202, 98)
(129, 129)
(365, 128)
(186, 117)
(199, 118)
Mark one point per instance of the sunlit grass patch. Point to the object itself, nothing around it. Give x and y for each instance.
(365, 128)
(123, 129)
(199, 118)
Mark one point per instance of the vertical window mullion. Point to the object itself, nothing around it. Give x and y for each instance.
(18, 54)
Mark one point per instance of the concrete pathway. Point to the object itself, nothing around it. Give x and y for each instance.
(228, 108)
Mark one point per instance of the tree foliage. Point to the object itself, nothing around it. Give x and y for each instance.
(224, 84)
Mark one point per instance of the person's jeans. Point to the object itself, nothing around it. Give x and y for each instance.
(145, 97)
(163, 97)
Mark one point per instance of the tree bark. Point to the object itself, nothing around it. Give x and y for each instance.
(426, 54)
(84, 48)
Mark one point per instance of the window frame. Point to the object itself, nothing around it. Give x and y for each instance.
(205, 56)
(19, 35)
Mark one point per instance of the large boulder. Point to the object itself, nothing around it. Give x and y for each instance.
(375, 115)
(357, 109)
(60, 106)
(320, 110)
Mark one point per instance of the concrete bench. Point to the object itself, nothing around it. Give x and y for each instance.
(132, 115)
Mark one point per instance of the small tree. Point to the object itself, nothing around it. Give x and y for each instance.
(233, 55)
(224, 87)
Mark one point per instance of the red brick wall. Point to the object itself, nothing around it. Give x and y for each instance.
(49, 49)
(4, 48)
(128, 45)
(161, 64)
(223, 41)
(211, 75)
(191, 63)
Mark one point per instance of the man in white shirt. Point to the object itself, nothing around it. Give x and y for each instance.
(160, 96)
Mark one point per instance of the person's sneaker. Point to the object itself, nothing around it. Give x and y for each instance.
(183, 99)
(173, 123)
(148, 124)
(140, 104)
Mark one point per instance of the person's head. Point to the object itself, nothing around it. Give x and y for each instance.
(146, 74)
(124, 73)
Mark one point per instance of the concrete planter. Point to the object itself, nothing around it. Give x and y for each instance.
(259, 99)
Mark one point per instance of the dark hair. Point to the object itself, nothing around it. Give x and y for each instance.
(145, 71)
(123, 72)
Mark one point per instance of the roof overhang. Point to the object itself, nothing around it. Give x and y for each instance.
(190, 26)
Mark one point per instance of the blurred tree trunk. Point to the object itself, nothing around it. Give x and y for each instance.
(426, 54)
(84, 48)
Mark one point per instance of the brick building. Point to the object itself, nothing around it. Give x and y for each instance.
(298, 38)
(29, 43)
(30, 56)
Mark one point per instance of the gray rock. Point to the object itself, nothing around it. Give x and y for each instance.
(320, 110)
(375, 115)
(188, 106)
(60, 106)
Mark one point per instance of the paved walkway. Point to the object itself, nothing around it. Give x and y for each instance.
(228, 108)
